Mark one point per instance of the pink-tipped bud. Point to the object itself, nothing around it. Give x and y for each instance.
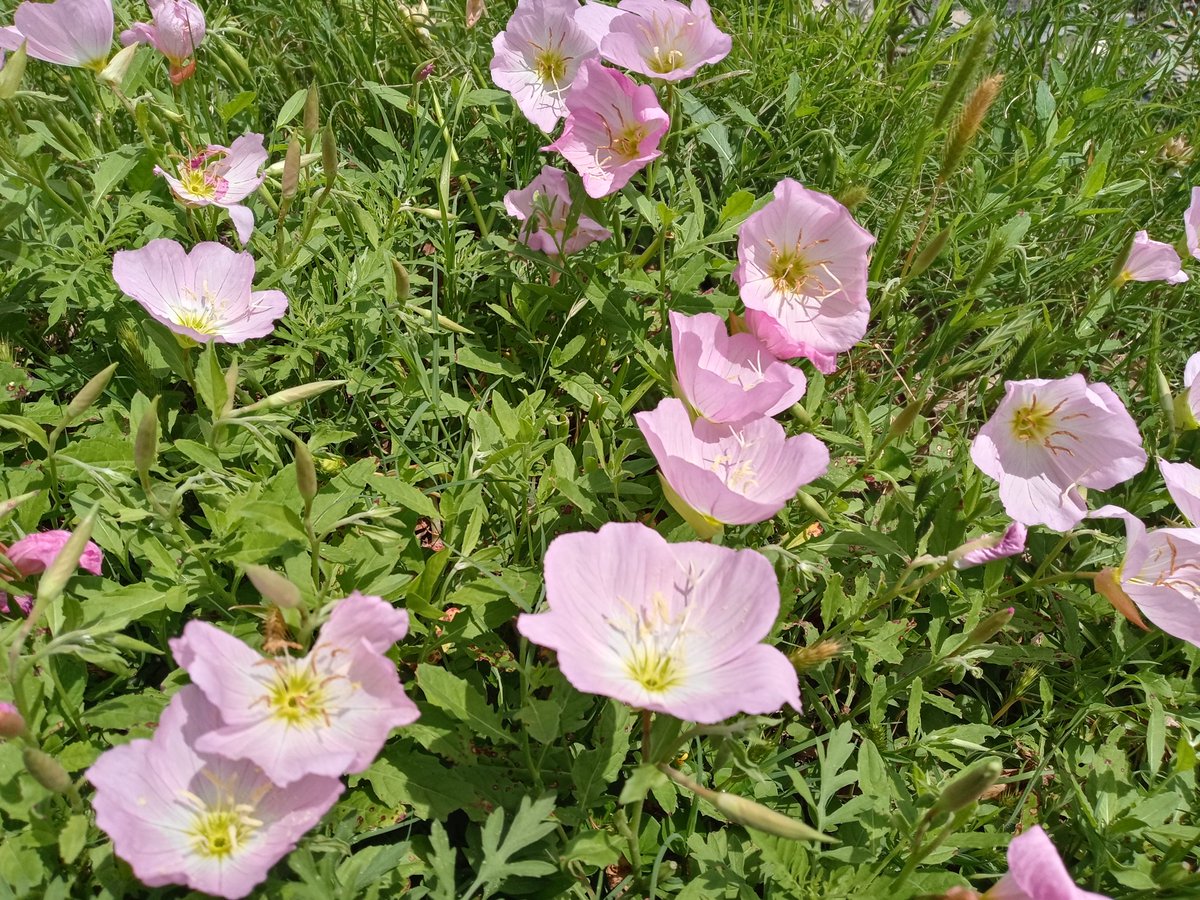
(12, 723)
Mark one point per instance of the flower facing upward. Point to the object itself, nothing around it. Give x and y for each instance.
(1151, 261)
(324, 714)
(613, 128)
(1036, 872)
(1048, 438)
(729, 475)
(180, 816)
(222, 176)
(664, 39)
(674, 628)
(544, 205)
(729, 379)
(176, 32)
(802, 273)
(66, 32)
(204, 295)
(1191, 223)
(32, 555)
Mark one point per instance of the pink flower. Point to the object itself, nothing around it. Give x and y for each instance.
(1191, 381)
(1191, 223)
(181, 816)
(1152, 261)
(66, 32)
(12, 723)
(204, 295)
(176, 32)
(1036, 872)
(325, 714)
(664, 39)
(545, 206)
(32, 555)
(1047, 439)
(726, 475)
(223, 176)
(537, 57)
(991, 547)
(1183, 484)
(613, 128)
(802, 273)
(728, 379)
(674, 628)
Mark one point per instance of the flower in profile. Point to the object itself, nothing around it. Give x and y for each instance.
(1183, 484)
(990, 547)
(176, 32)
(536, 58)
(551, 225)
(802, 273)
(181, 816)
(1050, 437)
(664, 38)
(32, 555)
(204, 295)
(324, 714)
(613, 128)
(722, 475)
(1151, 261)
(729, 379)
(75, 33)
(1036, 872)
(674, 628)
(1191, 223)
(222, 176)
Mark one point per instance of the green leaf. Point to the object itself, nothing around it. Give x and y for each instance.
(462, 701)
(112, 171)
(409, 778)
(72, 838)
(641, 781)
(291, 108)
(443, 861)
(488, 361)
(596, 768)
(529, 826)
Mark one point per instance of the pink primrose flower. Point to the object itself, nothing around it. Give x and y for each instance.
(222, 176)
(1036, 872)
(176, 31)
(1152, 261)
(991, 547)
(75, 33)
(664, 38)
(544, 205)
(32, 555)
(1191, 223)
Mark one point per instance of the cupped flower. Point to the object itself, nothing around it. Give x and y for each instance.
(729, 379)
(551, 224)
(324, 714)
(176, 31)
(674, 628)
(613, 128)
(664, 38)
(1191, 223)
(75, 33)
(1151, 261)
(1050, 437)
(32, 555)
(222, 176)
(1036, 872)
(991, 547)
(724, 475)
(181, 816)
(204, 294)
(802, 273)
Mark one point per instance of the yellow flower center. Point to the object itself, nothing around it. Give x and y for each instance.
(195, 183)
(789, 270)
(550, 66)
(626, 144)
(199, 321)
(1032, 422)
(219, 833)
(297, 696)
(654, 671)
(737, 474)
(664, 60)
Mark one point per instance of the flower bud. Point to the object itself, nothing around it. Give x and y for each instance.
(329, 156)
(7, 506)
(12, 723)
(290, 182)
(1108, 586)
(89, 393)
(312, 111)
(12, 73)
(118, 67)
(990, 627)
(275, 588)
(1166, 402)
(967, 786)
(403, 285)
(905, 418)
(306, 473)
(145, 442)
(289, 397)
(46, 770)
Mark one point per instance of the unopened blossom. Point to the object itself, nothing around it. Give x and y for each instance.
(731, 475)
(991, 547)
(544, 206)
(1191, 398)
(12, 723)
(536, 59)
(664, 38)
(181, 816)
(729, 379)
(326, 713)
(1183, 484)
(32, 555)
(176, 31)
(75, 33)
(1151, 261)
(1047, 439)
(1036, 872)
(204, 294)
(674, 628)
(1191, 223)
(802, 273)
(613, 128)
(222, 176)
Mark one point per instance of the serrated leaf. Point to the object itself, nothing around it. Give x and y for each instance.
(460, 699)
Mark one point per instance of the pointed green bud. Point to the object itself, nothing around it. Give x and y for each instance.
(306, 472)
(231, 378)
(967, 787)
(118, 67)
(7, 506)
(312, 111)
(290, 180)
(145, 442)
(12, 73)
(58, 573)
(46, 770)
(275, 588)
(289, 397)
(403, 286)
(88, 394)
(905, 418)
(1166, 401)
(329, 156)
(990, 627)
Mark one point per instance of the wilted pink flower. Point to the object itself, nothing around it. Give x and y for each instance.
(727, 475)
(1191, 223)
(204, 295)
(180, 816)
(991, 547)
(664, 39)
(1152, 261)
(1036, 872)
(1047, 439)
(674, 628)
(32, 555)
(1183, 484)
(802, 267)
(545, 206)
(66, 32)
(325, 714)
(176, 32)
(729, 379)
(222, 176)
(537, 57)
(613, 128)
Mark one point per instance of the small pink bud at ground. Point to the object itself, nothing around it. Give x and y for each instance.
(12, 723)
